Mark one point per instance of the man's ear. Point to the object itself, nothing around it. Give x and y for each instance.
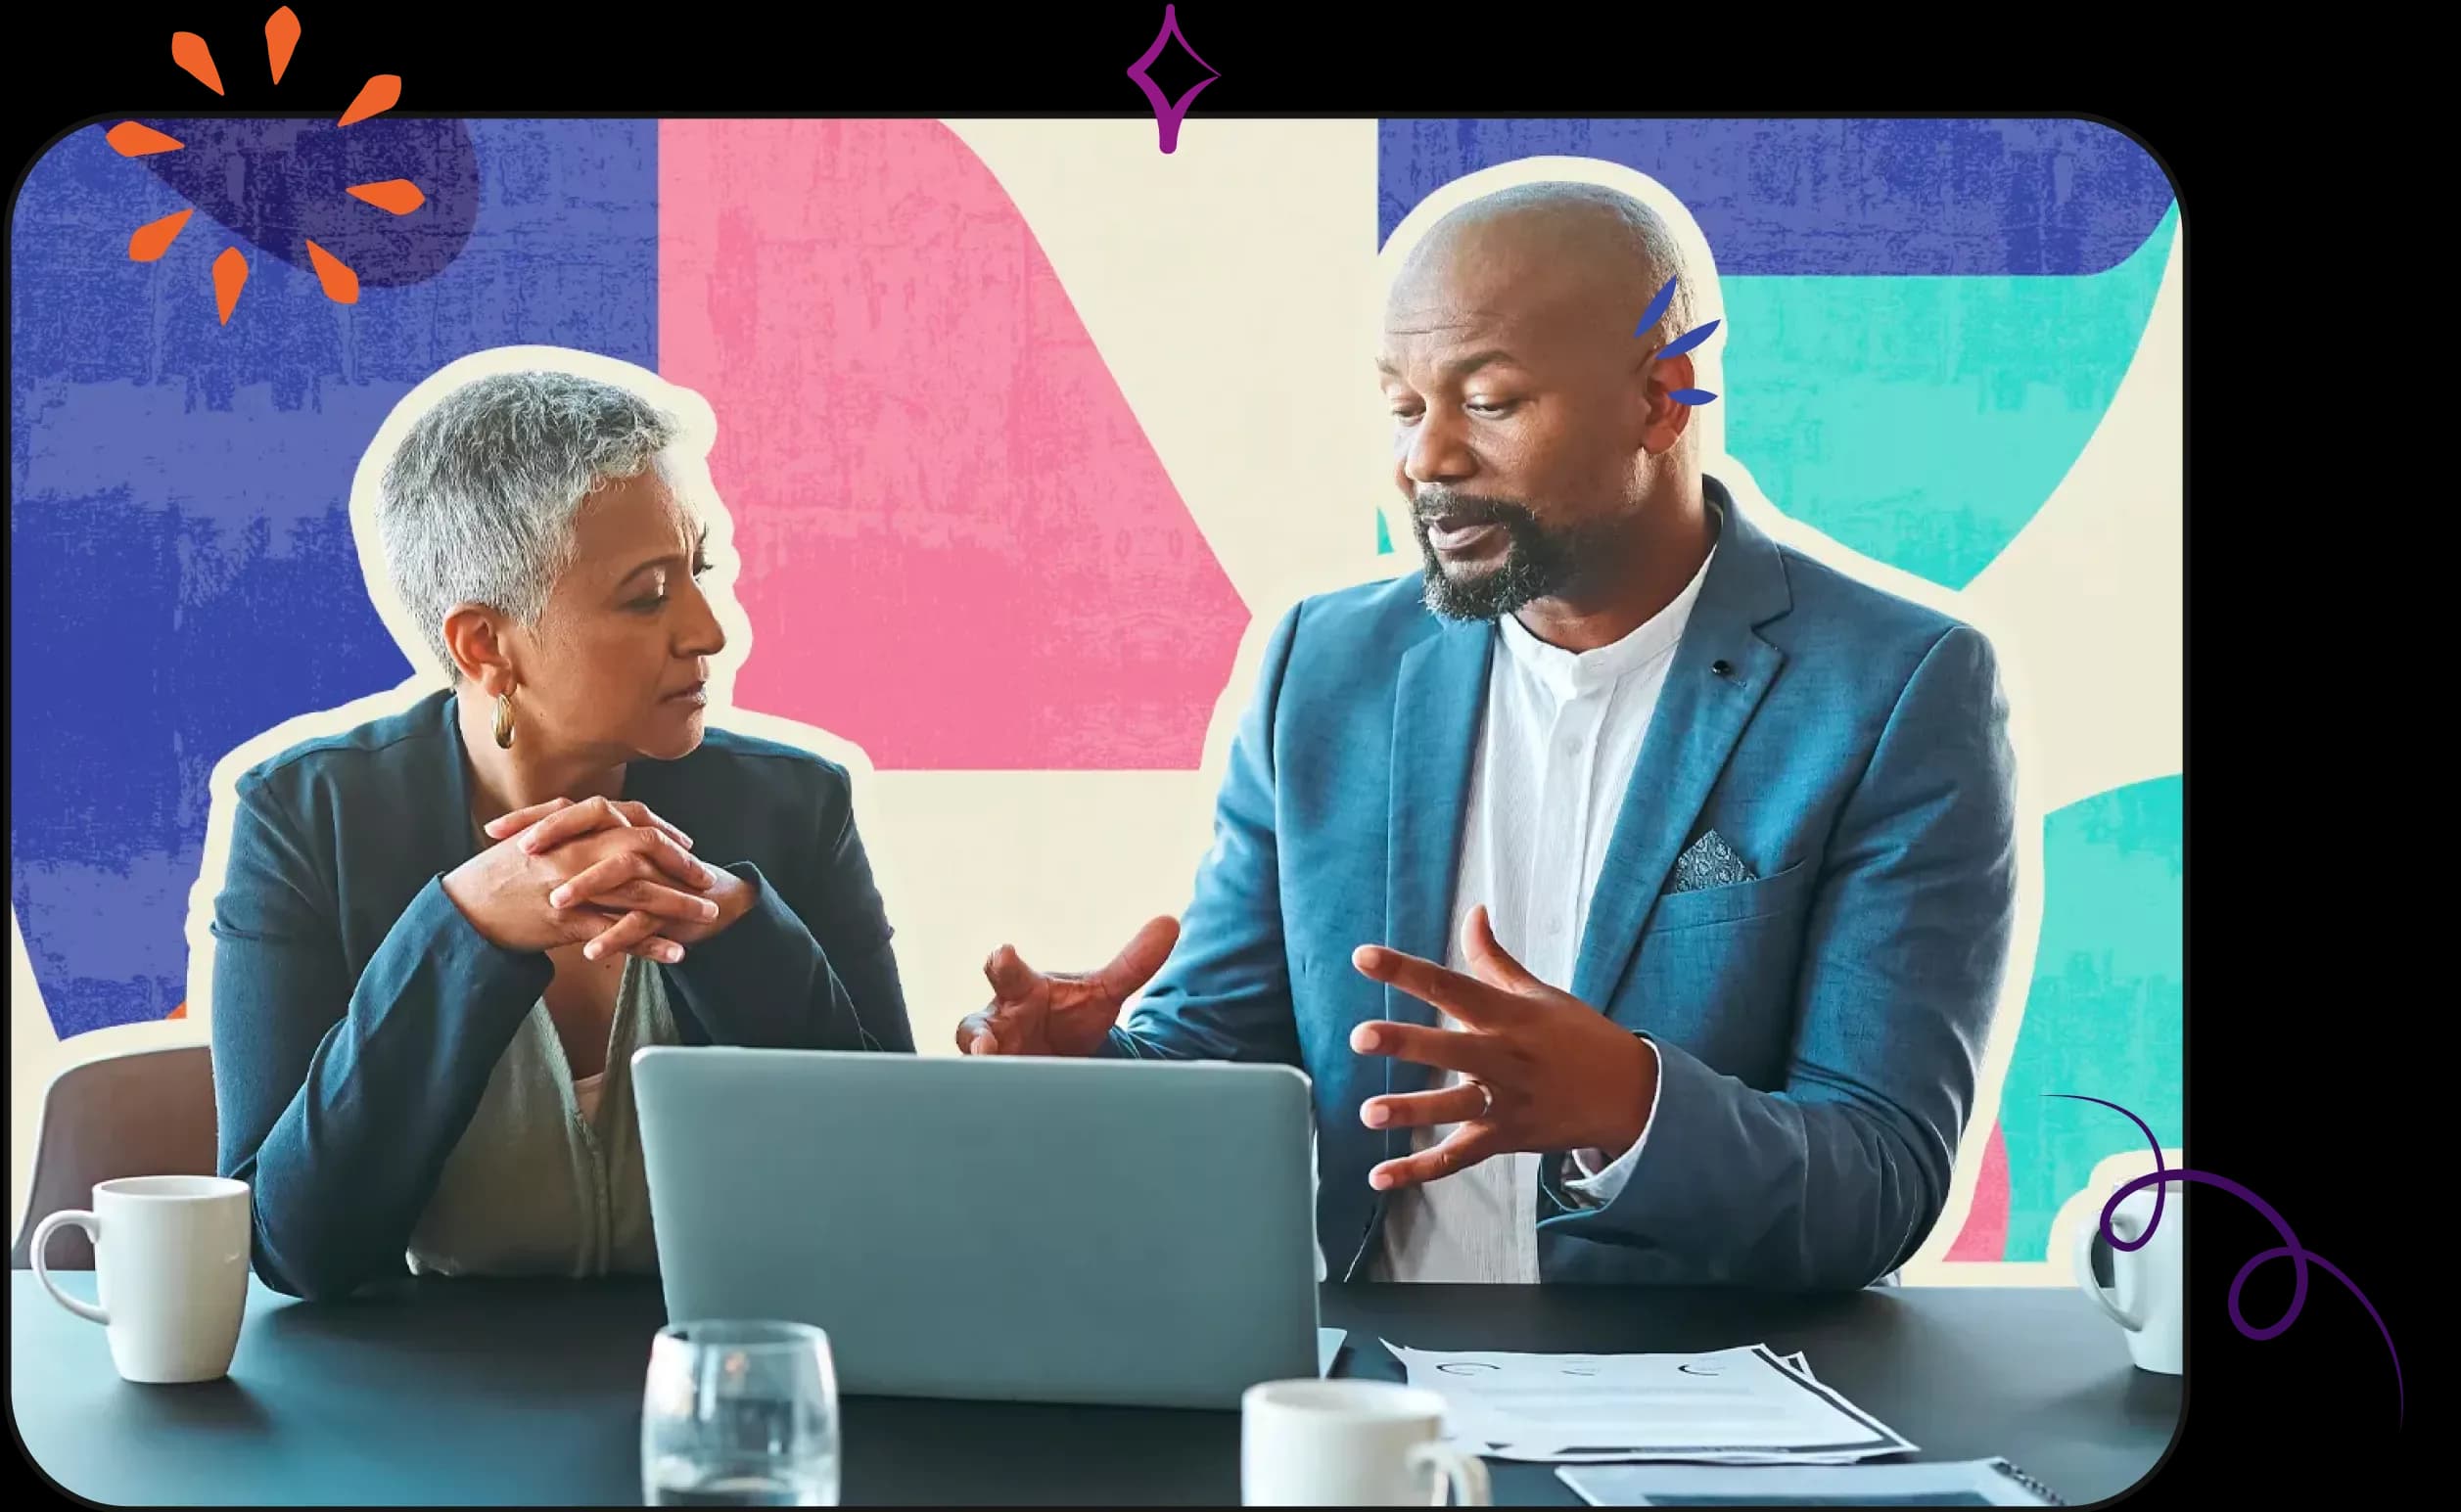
(1662, 417)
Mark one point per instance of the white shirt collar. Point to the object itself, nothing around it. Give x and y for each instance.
(1571, 674)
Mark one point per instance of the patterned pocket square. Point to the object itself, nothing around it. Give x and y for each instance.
(1710, 862)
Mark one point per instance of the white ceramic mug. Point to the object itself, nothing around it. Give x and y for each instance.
(1333, 1444)
(2148, 1294)
(170, 1270)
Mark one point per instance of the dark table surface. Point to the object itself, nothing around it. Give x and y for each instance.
(519, 1392)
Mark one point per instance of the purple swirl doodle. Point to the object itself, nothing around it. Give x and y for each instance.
(2160, 1177)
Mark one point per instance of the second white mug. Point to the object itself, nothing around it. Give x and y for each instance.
(171, 1272)
(1331, 1443)
(2148, 1297)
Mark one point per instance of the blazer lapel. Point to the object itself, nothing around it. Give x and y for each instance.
(1701, 713)
(1439, 701)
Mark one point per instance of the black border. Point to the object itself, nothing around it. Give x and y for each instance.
(2305, 1047)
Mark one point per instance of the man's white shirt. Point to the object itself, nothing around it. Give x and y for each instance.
(1556, 753)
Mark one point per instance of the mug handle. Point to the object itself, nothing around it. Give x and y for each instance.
(42, 1236)
(1466, 1473)
(2085, 1237)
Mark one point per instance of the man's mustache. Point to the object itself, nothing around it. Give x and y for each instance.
(1467, 509)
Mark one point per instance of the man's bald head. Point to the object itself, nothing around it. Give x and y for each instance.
(1560, 251)
(1537, 436)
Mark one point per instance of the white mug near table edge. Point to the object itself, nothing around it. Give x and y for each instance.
(171, 1272)
(2149, 1295)
(1317, 1444)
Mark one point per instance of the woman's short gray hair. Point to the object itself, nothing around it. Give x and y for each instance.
(478, 505)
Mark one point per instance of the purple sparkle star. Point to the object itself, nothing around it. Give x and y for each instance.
(1167, 114)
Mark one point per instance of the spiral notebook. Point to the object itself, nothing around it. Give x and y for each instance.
(1972, 1482)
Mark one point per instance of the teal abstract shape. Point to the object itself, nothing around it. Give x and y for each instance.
(2104, 1015)
(1383, 536)
(1922, 421)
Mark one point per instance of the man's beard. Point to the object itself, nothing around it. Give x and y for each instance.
(1538, 563)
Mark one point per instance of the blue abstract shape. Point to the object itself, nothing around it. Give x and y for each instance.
(2105, 1008)
(182, 567)
(1920, 419)
(281, 183)
(1800, 198)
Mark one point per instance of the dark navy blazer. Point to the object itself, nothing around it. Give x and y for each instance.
(357, 1015)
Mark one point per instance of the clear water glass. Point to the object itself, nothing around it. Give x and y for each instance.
(740, 1414)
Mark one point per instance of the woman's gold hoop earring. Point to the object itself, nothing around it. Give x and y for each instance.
(504, 721)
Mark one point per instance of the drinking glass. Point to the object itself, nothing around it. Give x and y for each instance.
(740, 1414)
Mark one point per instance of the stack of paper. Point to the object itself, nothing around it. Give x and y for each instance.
(1740, 1406)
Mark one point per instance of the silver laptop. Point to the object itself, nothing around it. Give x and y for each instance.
(1116, 1232)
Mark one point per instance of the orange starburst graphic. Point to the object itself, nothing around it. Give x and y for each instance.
(195, 57)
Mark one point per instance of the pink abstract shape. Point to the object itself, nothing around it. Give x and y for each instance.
(959, 550)
(1985, 1234)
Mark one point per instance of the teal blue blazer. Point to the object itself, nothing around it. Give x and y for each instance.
(1818, 1026)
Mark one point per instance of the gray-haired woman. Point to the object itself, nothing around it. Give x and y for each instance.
(442, 934)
